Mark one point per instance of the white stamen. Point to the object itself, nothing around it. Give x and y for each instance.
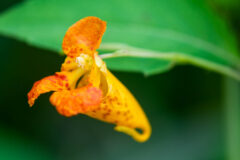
(81, 60)
(100, 64)
(98, 61)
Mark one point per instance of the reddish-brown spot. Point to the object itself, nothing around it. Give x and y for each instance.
(61, 76)
(67, 85)
(105, 115)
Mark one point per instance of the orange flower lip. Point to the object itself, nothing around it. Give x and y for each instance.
(81, 100)
(85, 86)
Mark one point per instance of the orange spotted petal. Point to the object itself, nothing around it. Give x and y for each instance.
(80, 100)
(84, 36)
(56, 82)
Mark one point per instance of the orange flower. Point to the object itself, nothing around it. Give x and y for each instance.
(85, 86)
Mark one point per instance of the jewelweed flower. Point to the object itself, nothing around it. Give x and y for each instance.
(86, 86)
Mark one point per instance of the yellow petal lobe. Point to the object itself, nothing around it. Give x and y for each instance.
(121, 108)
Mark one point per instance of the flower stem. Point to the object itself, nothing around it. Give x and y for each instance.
(176, 57)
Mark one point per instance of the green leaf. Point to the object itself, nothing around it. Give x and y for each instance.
(15, 147)
(148, 36)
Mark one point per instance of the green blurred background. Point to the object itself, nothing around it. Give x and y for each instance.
(186, 107)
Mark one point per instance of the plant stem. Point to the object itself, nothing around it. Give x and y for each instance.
(232, 115)
(179, 58)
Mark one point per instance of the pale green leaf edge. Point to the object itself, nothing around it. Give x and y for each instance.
(122, 50)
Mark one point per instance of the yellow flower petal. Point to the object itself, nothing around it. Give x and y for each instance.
(85, 86)
(121, 108)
